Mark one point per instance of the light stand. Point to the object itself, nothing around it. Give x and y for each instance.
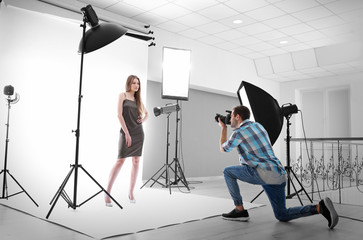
(177, 168)
(96, 41)
(167, 167)
(270, 115)
(289, 171)
(5, 194)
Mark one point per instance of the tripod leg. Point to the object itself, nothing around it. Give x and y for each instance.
(152, 177)
(22, 188)
(167, 178)
(60, 189)
(257, 196)
(156, 180)
(181, 176)
(59, 192)
(5, 187)
(92, 197)
(296, 192)
(183, 179)
(302, 188)
(99, 185)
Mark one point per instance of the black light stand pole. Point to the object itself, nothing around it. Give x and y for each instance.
(5, 170)
(288, 159)
(289, 170)
(165, 166)
(177, 167)
(75, 167)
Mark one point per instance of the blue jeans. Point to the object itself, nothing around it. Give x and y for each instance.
(275, 193)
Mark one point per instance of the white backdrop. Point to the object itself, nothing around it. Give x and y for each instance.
(38, 56)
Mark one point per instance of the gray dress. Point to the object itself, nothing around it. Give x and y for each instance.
(130, 114)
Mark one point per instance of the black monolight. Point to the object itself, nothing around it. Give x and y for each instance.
(9, 92)
(167, 168)
(169, 108)
(98, 36)
(266, 110)
(175, 85)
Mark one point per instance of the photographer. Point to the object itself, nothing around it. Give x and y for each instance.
(260, 166)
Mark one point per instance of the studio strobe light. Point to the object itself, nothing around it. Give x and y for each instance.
(9, 92)
(170, 108)
(175, 85)
(98, 36)
(266, 110)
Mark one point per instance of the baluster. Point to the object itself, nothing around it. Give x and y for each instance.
(339, 170)
(312, 167)
(323, 164)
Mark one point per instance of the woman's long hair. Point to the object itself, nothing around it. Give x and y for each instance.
(137, 94)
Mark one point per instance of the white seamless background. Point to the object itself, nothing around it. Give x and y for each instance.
(39, 57)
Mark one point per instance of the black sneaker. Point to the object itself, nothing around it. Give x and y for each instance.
(328, 211)
(236, 215)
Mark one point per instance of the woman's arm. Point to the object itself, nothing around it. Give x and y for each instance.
(145, 115)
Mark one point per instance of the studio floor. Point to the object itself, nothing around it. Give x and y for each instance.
(18, 225)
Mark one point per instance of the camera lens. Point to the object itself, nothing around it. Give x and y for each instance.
(224, 119)
(216, 117)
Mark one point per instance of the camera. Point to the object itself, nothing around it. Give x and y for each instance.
(225, 119)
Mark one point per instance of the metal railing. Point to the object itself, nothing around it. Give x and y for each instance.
(332, 166)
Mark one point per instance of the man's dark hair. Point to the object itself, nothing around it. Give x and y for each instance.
(242, 111)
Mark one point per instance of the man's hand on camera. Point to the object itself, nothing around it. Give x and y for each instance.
(221, 123)
(223, 134)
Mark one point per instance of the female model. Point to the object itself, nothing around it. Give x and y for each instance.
(131, 114)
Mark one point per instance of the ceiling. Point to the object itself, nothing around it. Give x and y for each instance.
(287, 39)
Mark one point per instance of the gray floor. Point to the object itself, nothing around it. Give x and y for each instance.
(262, 225)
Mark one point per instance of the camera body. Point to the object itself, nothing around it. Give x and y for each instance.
(225, 119)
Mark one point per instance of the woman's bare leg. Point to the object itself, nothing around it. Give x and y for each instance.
(113, 175)
(134, 172)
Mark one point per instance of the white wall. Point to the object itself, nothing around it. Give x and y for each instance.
(198, 134)
(38, 56)
(212, 70)
(290, 92)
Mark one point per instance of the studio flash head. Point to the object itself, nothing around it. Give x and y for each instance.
(169, 108)
(8, 90)
(225, 119)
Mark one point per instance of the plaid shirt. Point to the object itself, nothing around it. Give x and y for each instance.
(254, 147)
